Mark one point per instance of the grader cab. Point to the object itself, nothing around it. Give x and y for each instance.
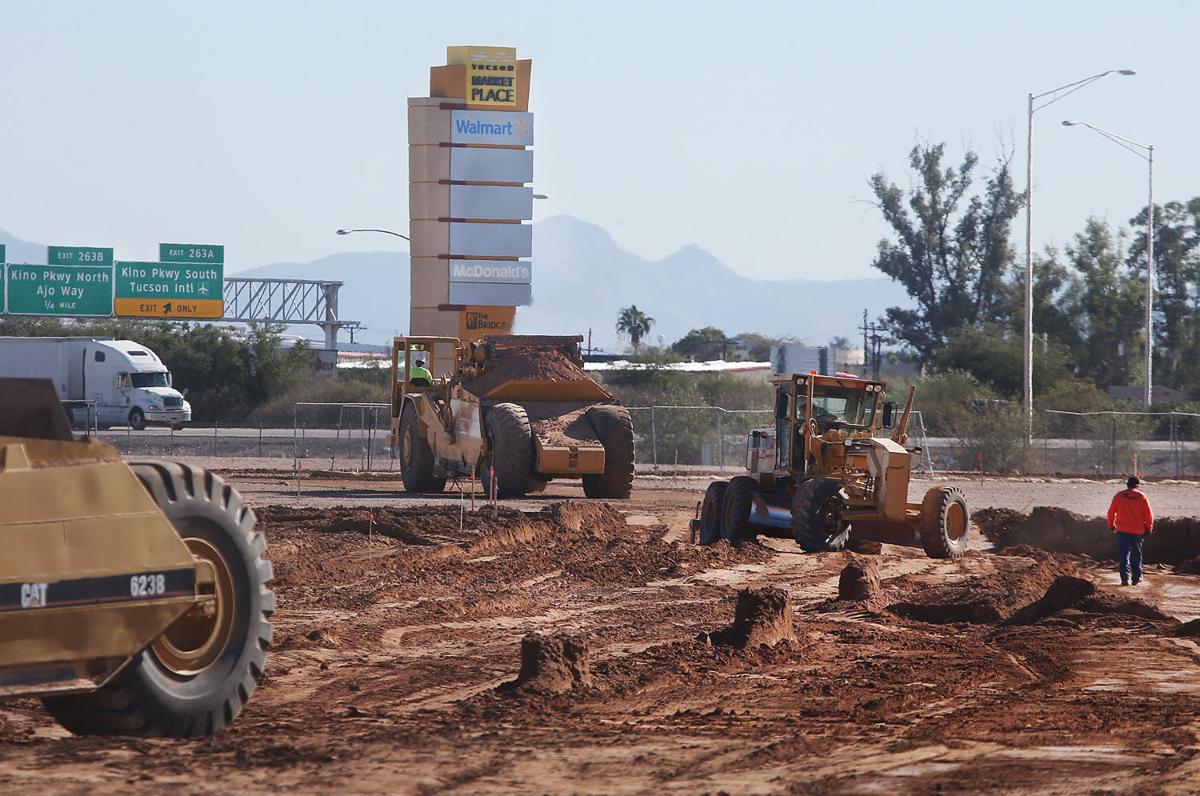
(834, 466)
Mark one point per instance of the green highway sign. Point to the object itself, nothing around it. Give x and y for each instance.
(58, 289)
(170, 290)
(191, 253)
(79, 255)
(2, 253)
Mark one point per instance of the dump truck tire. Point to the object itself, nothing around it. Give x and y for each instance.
(710, 513)
(816, 510)
(195, 678)
(614, 429)
(511, 454)
(945, 522)
(735, 510)
(416, 457)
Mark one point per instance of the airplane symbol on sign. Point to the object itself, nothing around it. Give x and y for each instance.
(204, 288)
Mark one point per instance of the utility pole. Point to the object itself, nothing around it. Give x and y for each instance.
(873, 338)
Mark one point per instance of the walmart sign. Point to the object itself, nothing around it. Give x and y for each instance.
(498, 128)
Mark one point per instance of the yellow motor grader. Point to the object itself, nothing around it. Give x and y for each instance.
(829, 470)
(517, 410)
(133, 596)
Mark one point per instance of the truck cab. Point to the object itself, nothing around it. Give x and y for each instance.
(130, 385)
(100, 382)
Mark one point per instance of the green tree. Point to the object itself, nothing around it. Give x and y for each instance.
(951, 248)
(757, 346)
(1107, 302)
(634, 323)
(1177, 288)
(995, 357)
(703, 345)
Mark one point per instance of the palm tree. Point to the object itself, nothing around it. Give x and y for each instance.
(634, 323)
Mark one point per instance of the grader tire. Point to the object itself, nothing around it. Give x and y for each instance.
(416, 457)
(710, 512)
(945, 522)
(511, 452)
(735, 511)
(196, 676)
(816, 510)
(614, 429)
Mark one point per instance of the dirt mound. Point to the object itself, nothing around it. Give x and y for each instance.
(763, 617)
(1187, 629)
(1108, 603)
(983, 599)
(1175, 539)
(997, 525)
(859, 580)
(1188, 566)
(1064, 592)
(537, 364)
(552, 664)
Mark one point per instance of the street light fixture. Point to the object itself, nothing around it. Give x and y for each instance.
(1146, 153)
(1054, 96)
(384, 231)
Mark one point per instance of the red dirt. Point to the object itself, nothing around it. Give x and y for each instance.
(390, 649)
(540, 364)
(1175, 539)
(569, 428)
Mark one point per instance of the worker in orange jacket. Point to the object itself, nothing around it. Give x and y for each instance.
(1131, 519)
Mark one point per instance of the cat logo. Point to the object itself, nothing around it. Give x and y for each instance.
(33, 595)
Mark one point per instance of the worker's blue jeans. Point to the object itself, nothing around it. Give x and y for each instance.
(1131, 555)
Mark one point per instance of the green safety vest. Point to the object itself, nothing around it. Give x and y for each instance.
(418, 372)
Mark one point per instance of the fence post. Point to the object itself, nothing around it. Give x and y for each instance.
(216, 427)
(1045, 444)
(1174, 445)
(720, 440)
(260, 439)
(1112, 466)
(653, 441)
(295, 436)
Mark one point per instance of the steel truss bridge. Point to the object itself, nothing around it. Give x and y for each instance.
(287, 301)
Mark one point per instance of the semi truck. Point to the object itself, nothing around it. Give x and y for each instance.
(100, 382)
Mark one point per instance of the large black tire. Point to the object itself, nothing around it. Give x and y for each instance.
(511, 451)
(710, 513)
(816, 516)
(945, 522)
(416, 457)
(735, 512)
(614, 429)
(137, 420)
(161, 696)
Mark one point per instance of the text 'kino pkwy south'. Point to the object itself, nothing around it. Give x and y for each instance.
(193, 275)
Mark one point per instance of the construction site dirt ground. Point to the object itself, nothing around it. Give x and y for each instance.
(400, 627)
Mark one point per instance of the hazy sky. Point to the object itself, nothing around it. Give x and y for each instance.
(747, 128)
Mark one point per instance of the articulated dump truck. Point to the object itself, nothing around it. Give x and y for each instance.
(133, 595)
(518, 411)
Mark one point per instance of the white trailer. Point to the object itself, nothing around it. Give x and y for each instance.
(101, 381)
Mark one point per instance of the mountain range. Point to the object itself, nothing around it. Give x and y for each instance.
(581, 280)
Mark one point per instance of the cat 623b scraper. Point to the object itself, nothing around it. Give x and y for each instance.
(133, 596)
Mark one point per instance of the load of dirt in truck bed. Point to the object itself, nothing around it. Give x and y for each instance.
(569, 428)
(532, 364)
(1175, 539)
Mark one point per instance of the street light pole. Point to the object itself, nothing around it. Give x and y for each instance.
(1054, 96)
(1146, 153)
(384, 231)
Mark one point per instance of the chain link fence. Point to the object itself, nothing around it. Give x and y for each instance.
(354, 437)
